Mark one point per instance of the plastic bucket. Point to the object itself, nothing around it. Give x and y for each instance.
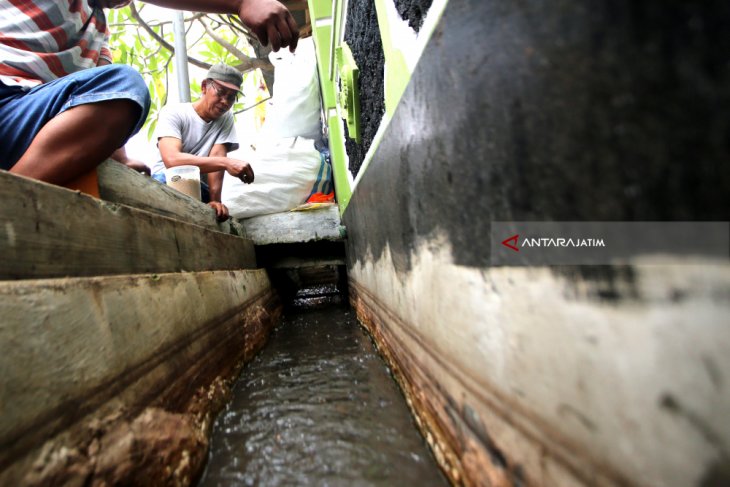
(185, 179)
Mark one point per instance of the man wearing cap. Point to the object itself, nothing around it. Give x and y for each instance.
(63, 108)
(202, 133)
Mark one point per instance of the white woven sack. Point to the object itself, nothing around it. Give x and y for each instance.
(283, 179)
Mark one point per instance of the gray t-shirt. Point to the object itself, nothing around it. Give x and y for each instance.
(198, 136)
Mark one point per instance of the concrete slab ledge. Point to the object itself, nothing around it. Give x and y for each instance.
(115, 378)
(48, 231)
(120, 184)
(295, 226)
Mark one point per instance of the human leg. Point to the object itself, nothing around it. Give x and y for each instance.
(62, 129)
(65, 148)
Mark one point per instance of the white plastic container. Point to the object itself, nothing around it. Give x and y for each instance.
(185, 179)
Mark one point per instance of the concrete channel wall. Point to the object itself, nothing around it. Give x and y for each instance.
(555, 375)
(120, 330)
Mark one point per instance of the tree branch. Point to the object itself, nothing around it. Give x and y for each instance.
(252, 106)
(161, 40)
(235, 24)
(247, 63)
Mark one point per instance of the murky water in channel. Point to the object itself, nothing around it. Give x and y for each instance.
(318, 407)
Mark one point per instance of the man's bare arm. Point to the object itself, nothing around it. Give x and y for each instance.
(215, 179)
(215, 184)
(172, 155)
(268, 19)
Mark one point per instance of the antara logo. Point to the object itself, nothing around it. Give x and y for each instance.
(514, 239)
(513, 242)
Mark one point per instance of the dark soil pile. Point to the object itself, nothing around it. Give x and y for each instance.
(413, 11)
(362, 34)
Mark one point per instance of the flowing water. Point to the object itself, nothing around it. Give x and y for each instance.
(318, 407)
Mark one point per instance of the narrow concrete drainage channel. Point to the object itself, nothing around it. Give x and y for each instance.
(318, 407)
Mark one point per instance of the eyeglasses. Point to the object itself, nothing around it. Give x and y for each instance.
(224, 93)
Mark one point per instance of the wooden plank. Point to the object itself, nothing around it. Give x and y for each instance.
(295, 226)
(82, 355)
(120, 184)
(49, 231)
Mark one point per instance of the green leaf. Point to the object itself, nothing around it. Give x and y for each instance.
(151, 126)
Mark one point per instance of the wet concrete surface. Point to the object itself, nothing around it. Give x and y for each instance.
(318, 407)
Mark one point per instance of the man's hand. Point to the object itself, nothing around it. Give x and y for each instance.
(221, 212)
(268, 19)
(138, 166)
(241, 170)
(120, 155)
(271, 22)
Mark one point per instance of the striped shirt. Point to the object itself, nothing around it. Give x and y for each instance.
(42, 40)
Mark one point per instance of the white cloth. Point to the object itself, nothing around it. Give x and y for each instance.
(198, 136)
(294, 110)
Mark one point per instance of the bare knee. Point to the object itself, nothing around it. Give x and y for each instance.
(78, 139)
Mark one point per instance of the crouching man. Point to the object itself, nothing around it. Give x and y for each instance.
(62, 109)
(202, 134)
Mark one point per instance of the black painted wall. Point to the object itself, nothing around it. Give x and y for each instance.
(612, 110)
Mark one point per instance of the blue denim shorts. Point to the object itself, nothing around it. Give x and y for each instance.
(23, 113)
